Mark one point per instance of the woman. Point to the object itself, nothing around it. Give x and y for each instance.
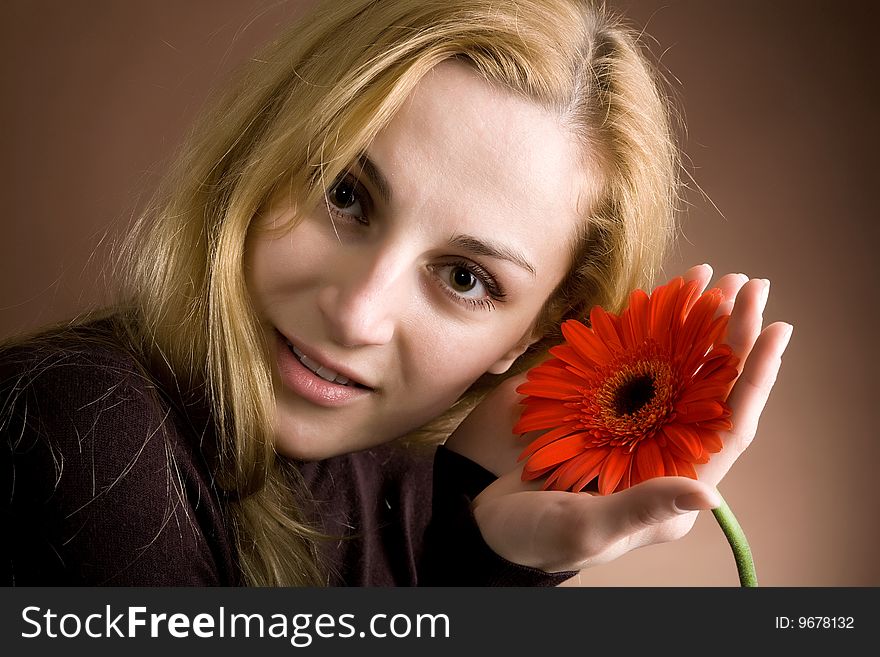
(387, 216)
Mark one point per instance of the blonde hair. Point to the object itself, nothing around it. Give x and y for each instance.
(297, 116)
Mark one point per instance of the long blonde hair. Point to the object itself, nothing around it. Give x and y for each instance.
(296, 117)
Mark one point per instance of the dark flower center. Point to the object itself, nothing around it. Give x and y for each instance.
(634, 394)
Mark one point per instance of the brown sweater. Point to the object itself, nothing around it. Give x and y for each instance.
(104, 483)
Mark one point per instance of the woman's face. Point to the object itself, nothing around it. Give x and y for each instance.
(426, 267)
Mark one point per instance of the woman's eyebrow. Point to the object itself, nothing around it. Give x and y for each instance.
(479, 247)
(376, 177)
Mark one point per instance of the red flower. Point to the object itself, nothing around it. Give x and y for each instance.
(634, 397)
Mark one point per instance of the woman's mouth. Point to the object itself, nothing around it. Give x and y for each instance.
(313, 380)
(324, 372)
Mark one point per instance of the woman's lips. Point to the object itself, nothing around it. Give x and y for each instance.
(314, 386)
(324, 372)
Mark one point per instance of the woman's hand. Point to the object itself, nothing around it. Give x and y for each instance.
(557, 531)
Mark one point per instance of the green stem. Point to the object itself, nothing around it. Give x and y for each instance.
(738, 543)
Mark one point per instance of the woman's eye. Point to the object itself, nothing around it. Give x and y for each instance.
(343, 195)
(347, 198)
(468, 283)
(462, 280)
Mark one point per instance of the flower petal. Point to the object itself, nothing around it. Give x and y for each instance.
(719, 363)
(542, 416)
(585, 342)
(710, 439)
(660, 311)
(573, 358)
(699, 411)
(719, 424)
(719, 354)
(702, 391)
(547, 389)
(604, 327)
(634, 319)
(590, 470)
(617, 463)
(698, 320)
(685, 469)
(579, 471)
(529, 475)
(685, 439)
(649, 460)
(558, 451)
(682, 305)
(692, 296)
(697, 352)
(669, 462)
(544, 439)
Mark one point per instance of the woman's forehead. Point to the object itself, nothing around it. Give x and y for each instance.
(480, 156)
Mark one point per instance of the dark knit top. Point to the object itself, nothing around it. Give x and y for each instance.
(104, 482)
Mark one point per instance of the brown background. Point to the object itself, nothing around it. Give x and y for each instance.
(780, 103)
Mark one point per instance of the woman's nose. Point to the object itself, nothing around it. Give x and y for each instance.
(361, 300)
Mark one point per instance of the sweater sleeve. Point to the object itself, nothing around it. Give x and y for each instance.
(401, 516)
(455, 552)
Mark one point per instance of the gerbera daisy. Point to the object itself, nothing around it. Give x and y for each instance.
(633, 396)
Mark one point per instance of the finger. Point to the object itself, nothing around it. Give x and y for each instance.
(650, 504)
(748, 398)
(701, 273)
(746, 318)
(730, 285)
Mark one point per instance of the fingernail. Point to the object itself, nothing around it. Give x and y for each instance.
(696, 502)
(765, 291)
(787, 335)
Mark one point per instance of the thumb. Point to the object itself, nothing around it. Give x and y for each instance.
(654, 502)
